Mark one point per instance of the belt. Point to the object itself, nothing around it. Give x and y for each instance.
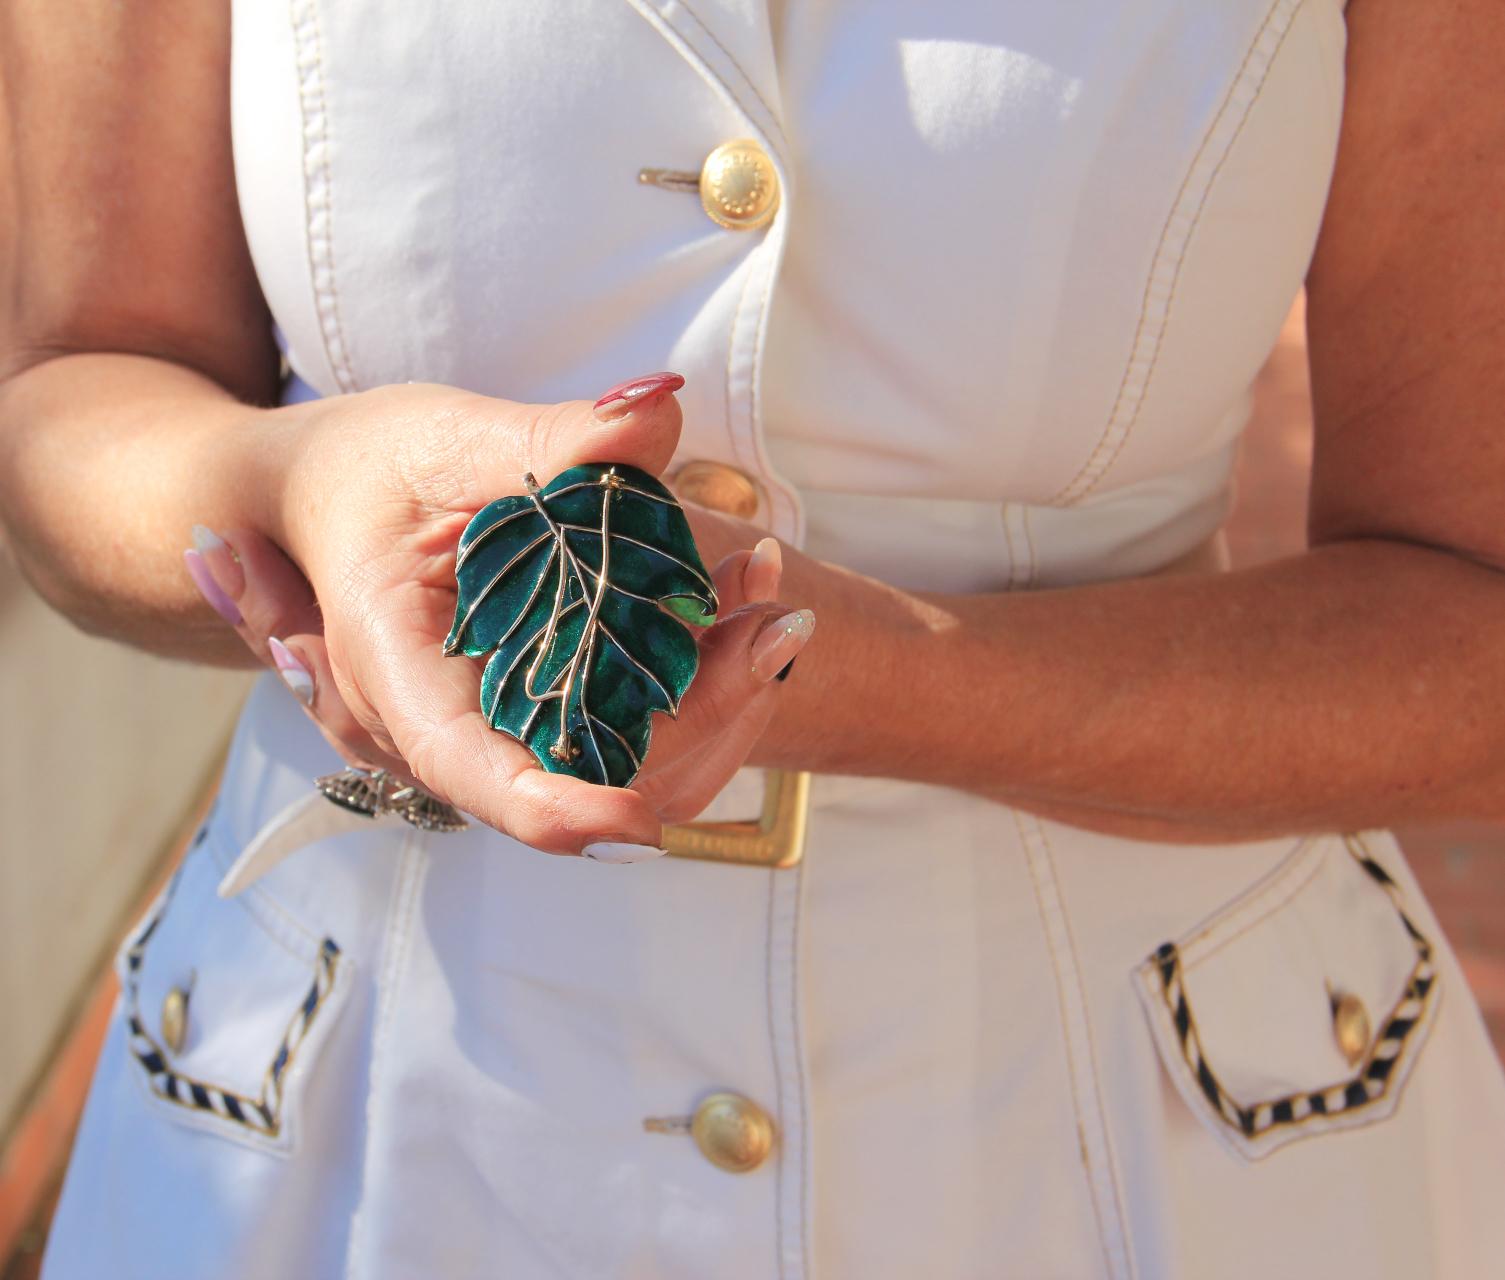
(776, 837)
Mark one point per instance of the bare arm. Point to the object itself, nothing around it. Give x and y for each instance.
(1361, 684)
(135, 352)
(133, 336)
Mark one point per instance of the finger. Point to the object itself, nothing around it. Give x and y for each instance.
(280, 622)
(741, 657)
(682, 790)
(430, 707)
(637, 422)
(302, 662)
(748, 577)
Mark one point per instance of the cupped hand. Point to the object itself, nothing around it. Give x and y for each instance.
(354, 612)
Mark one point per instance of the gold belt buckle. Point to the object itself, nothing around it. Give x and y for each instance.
(776, 839)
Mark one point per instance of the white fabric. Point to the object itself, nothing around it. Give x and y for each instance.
(1000, 335)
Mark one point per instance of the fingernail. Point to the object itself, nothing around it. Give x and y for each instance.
(294, 674)
(776, 645)
(210, 589)
(623, 398)
(612, 851)
(205, 540)
(765, 567)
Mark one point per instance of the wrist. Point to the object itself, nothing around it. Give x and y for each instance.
(262, 456)
(855, 702)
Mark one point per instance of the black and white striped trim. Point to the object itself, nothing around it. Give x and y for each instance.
(1372, 1079)
(263, 1114)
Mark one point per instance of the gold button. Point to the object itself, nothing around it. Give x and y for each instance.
(739, 186)
(1351, 1026)
(717, 486)
(175, 1019)
(732, 1132)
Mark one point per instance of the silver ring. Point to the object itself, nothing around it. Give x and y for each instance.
(374, 792)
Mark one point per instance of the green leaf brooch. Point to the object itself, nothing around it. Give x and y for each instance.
(581, 596)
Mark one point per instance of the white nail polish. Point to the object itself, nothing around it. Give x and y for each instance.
(294, 674)
(205, 539)
(610, 851)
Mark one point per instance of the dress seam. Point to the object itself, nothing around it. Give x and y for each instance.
(412, 867)
(772, 115)
(778, 1071)
(1218, 940)
(1169, 257)
(318, 188)
(1110, 1261)
(1092, 1055)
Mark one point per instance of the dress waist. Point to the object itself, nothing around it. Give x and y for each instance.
(946, 544)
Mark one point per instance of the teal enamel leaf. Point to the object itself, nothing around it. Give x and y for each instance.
(581, 597)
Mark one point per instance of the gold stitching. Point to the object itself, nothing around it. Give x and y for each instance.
(1064, 495)
(746, 79)
(778, 1074)
(1071, 1070)
(1223, 916)
(1076, 964)
(1270, 909)
(326, 963)
(1154, 967)
(1008, 542)
(799, 1058)
(1303, 1094)
(772, 124)
(1029, 542)
(269, 905)
(338, 352)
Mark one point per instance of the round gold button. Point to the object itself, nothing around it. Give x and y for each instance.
(739, 186)
(717, 486)
(732, 1132)
(1351, 1027)
(175, 1019)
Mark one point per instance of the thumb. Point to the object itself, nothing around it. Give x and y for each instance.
(636, 422)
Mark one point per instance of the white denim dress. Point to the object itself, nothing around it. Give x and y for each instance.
(998, 335)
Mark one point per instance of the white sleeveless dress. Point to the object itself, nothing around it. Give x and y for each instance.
(999, 336)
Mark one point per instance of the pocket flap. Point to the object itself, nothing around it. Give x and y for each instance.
(222, 1000)
(1301, 1007)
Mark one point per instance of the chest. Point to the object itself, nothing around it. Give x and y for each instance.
(1024, 252)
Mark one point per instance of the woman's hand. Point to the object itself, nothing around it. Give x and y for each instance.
(353, 617)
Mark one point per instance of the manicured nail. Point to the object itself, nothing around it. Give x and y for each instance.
(205, 540)
(611, 851)
(294, 674)
(221, 559)
(764, 569)
(623, 398)
(210, 589)
(777, 644)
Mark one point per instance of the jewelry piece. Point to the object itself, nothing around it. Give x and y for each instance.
(358, 790)
(373, 792)
(581, 595)
(426, 812)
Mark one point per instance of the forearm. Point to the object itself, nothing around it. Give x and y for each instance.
(1362, 684)
(106, 463)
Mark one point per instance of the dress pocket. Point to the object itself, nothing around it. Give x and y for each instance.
(226, 1004)
(1301, 1007)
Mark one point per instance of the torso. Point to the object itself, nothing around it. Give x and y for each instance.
(1000, 334)
(1026, 255)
